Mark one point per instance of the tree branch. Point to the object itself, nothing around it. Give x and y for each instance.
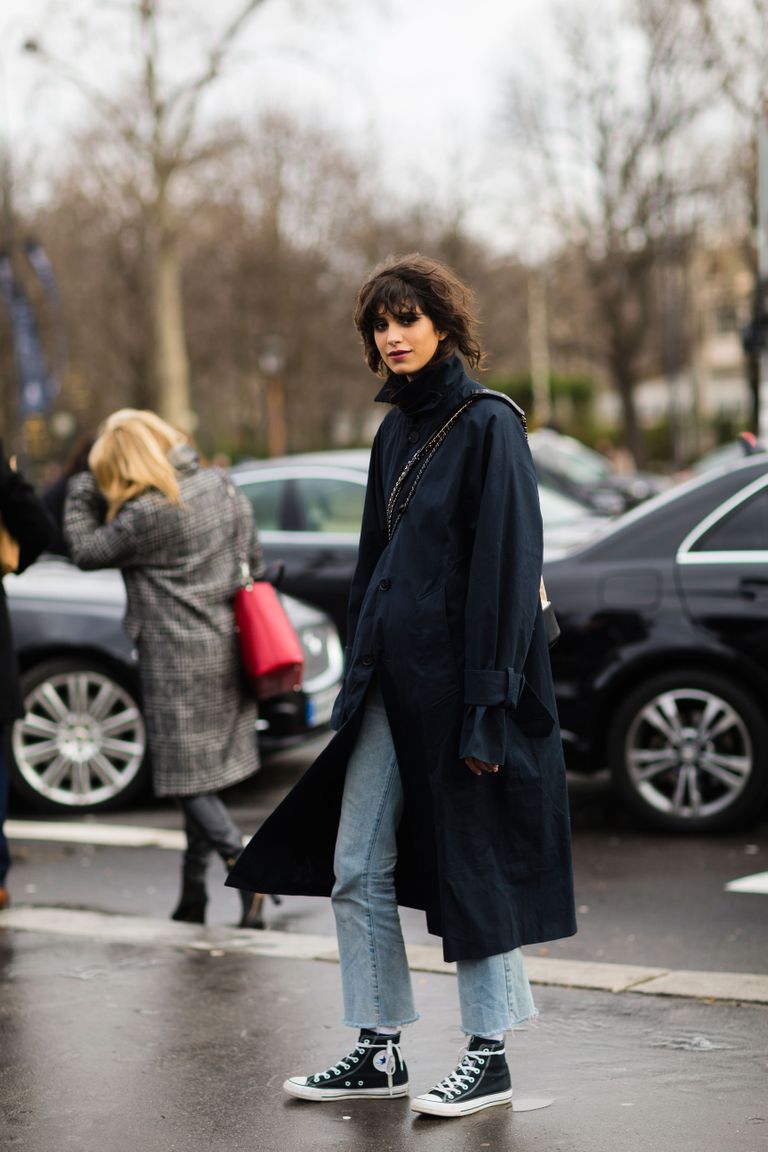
(186, 98)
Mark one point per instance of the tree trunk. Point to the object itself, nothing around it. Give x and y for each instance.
(169, 350)
(633, 434)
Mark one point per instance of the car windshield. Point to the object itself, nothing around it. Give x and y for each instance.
(558, 509)
(564, 454)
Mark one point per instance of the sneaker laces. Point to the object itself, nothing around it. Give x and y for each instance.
(345, 1063)
(460, 1079)
(389, 1063)
(354, 1057)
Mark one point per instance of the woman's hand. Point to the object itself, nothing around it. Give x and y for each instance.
(479, 766)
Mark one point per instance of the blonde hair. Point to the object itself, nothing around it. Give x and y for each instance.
(130, 456)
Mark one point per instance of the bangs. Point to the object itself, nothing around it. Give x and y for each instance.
(391, 294)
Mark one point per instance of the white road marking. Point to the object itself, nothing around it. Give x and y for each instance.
(106, 835)
(757, 883)
(218, 941)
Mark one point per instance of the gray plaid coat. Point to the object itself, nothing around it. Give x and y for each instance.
(181, 572)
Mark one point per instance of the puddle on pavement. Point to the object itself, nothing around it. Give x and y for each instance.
(693, 1043)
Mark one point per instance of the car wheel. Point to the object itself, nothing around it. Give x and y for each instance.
(688, 752)
(81, 745)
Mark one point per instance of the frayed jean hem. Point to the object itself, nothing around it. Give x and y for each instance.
(383, 1023)
(532, 1020)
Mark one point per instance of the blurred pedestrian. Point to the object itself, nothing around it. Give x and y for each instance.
(176, 532)
(54, 495)
(444, 788)
(22, 514)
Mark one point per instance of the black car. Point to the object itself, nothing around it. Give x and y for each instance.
(81, 746)
(661, 671)
(309, 507)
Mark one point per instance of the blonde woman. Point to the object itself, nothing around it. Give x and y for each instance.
(175, 531)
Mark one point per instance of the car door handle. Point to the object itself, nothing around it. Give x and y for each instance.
(752, 587)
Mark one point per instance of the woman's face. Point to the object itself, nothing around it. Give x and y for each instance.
(406, 341)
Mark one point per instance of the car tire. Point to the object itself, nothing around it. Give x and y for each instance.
(81, 747)
(688, 752)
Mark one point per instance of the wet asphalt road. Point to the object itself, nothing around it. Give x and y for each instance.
(114, 1048)
(108, 1047)
(643, 898)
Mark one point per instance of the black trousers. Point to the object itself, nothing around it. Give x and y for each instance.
(209, 828)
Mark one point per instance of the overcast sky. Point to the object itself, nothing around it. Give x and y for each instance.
(418, 82)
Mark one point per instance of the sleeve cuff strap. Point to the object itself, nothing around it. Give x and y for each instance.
(502, 686)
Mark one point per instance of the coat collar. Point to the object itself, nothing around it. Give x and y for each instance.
(184, 459)
(436, 389)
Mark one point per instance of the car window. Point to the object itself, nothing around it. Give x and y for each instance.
(559, 509)
(266, 497)
(330, 504)
(570, 458)
(745, 529)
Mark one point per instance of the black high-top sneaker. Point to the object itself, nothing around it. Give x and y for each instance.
(480, 1081)
(374, 1068)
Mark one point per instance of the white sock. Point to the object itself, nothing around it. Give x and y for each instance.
(496, 1039)
(385, 1031)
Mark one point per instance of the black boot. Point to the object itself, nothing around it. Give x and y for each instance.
(480, 1081)
(192, 904)
(252, 903)
(374, 1068)
(190, 909)
(253, 907)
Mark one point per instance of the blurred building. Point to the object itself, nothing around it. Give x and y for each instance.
(705, 390)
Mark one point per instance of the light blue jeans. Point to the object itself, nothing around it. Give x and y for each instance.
(494, 993)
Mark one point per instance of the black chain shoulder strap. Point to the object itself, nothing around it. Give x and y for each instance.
(396, 507)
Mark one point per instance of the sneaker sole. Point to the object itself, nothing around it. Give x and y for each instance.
(438, 1108)
(306, 1092)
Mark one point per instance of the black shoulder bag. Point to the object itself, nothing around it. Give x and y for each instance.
(402, 494)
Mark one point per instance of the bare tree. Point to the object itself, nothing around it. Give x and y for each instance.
(270, 264)
(735, 42)
(157, 139)
(609, 150)
(734, 35)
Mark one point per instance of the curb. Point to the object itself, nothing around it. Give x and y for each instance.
(733, 987)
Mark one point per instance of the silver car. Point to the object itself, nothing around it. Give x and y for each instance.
(82, 744)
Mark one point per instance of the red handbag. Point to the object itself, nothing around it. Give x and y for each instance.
(271, 652)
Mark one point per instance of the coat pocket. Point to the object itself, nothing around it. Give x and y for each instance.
(432, 658)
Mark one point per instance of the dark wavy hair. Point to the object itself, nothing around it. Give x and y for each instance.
(416, 281)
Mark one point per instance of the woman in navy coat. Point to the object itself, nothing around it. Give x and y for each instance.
(444, 788)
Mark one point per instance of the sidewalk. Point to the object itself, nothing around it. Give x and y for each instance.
(119, 1034)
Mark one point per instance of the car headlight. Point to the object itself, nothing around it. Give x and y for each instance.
(323, 656)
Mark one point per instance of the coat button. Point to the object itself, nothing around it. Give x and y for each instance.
(385, 584)
(367, 661)
(413, 437)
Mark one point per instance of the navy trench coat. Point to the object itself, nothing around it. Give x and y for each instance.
(447, 616)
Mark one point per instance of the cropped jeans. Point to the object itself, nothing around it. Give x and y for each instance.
(494, 993)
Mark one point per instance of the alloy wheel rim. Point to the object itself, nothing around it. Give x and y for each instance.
(82, 740)
(689, 754)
